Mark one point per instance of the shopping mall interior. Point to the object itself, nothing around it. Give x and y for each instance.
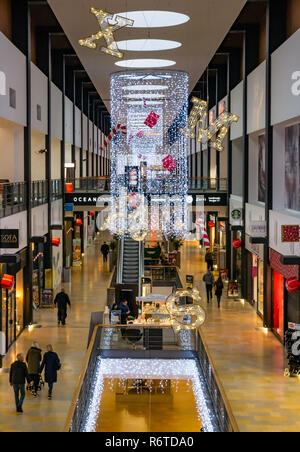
(150, 217)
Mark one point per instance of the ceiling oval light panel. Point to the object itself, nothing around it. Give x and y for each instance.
(155, 19)
(145, 63)
(147, 45)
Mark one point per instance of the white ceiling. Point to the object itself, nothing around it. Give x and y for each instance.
(209, 23)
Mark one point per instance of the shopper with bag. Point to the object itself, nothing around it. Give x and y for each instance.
(52, 365)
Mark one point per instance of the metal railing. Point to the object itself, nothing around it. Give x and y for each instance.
(207, 184)
(56, 191)
(89, 184)
(219, 401)
(12, 198)
(227, 422)
(152, 336)
(39, 193)
(102, 184)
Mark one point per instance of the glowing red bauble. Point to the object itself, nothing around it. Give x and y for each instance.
(211, 224)
(292, 285)
(79, 222)
(92, 213)
(56, 241)
(237, 243)
(69, 188)
(7, 282)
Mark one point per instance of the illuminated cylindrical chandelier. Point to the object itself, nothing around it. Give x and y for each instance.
(149, 175)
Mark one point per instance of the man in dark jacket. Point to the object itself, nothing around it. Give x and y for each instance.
(209, 280)
(17, 378)
(62, 301)
(33, 359)
(105, 251)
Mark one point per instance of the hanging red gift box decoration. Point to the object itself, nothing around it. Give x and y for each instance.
(237, 243)
(7, 282)
(211, 224)
(152, 119)
(79, 222)
(56, 241)
(169, 163)
(292, 285)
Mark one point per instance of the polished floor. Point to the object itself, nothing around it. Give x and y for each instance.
(87, 294)
(170, 406)
(249, 360)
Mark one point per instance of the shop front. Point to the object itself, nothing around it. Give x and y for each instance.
(285, 304)
(255, 268)
(12, 313)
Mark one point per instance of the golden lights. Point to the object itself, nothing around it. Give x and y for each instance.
(215, 132)
(106, 32)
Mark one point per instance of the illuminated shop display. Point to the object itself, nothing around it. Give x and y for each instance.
(149, 165)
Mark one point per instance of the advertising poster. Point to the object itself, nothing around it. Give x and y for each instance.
(76, 252)
(261, 168)
(57, 261)
(292, 167)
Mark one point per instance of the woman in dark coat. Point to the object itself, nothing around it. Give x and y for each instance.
(51, 363)
(219, 290)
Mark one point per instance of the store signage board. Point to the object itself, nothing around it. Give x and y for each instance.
(211, 199)
(85, 199)
(2, 344)
(294, 326)
(69, 207)
(290, 233)
(9, 238)
(258, 228)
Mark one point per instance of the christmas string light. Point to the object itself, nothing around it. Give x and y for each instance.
(166, 95)
(146, 369)
(106, 32)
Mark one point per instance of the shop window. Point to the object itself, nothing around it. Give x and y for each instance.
(260, 294)
(292, 167)
(278, 304)
(12, 98)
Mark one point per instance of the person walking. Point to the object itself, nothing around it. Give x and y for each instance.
(33, 359)
(51, 364)
(105, 251)
(219, 290)
(17, 377)
(209, 259)
(209, 280)
(62, 301)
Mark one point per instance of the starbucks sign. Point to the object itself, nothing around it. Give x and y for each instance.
(236, 214)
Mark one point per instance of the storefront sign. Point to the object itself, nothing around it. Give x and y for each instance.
(290, 233)
(236, 214)
(296, 85)
(9, 238)
(85, 199)
(288, 271)
(211, 199)
(258, 228)
(294, 326)
(69, 207)
(256, 249)
(2, 344)
(2, 84)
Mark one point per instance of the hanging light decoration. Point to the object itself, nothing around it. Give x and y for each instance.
(106, 31)
(150, 162)
(185, 316)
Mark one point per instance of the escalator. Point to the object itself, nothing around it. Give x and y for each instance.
(131, 261)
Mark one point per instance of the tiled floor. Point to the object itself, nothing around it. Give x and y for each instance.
(88, 294)
(249, 361)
